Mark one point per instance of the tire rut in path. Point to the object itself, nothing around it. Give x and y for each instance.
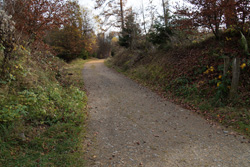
(132, 126)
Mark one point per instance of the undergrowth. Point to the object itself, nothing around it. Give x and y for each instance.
(193, 77)
(42, 111)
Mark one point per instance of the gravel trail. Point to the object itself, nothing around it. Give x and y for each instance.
(130, 126)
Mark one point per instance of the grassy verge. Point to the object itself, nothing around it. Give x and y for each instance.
(42, 122)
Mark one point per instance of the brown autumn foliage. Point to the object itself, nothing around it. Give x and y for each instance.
(76, 39)
(215, 14)
(34, 17)
(63, 25)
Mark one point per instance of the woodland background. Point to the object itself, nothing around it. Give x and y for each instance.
(196, 54)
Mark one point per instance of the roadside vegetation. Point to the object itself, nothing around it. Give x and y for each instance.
(205, 71)
(42, 98)
(42, 118)
(197, 56)
(192, 76)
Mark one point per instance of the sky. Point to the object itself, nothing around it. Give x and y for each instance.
(135, 4)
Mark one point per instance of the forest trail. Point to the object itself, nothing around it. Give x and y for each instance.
(130, 126)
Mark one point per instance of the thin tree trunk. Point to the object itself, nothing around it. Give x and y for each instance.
(122, 17)
(164, 12)
(226, 65)
(152, 14)
(236, 78)
(143, 15)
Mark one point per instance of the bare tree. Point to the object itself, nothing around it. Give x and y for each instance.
(165, 11)
(111, 9)
(152, 11)
(143, 16)
(122, 16)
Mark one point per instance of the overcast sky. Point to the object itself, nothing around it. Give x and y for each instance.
(136, 5)
(133, 3)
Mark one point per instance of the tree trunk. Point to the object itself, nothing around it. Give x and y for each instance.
(226, 65)
(236, 78)
(164, 12)
(144, 22)
(122, 17)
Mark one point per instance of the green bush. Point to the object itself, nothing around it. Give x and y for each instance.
(41, 123)
(160, 35)
(12, 112)
(84, 54)
(48, 104)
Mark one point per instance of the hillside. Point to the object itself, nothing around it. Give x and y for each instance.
(43, 105)
(193, 76)
(42, 111)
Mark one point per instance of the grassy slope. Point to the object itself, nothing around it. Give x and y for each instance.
(42, 112)
(191, 76)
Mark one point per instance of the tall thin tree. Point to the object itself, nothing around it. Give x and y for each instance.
(122, 16)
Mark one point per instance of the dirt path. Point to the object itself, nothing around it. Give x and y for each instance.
(135, 127)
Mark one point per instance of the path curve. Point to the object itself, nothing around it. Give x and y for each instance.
(132, 126)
